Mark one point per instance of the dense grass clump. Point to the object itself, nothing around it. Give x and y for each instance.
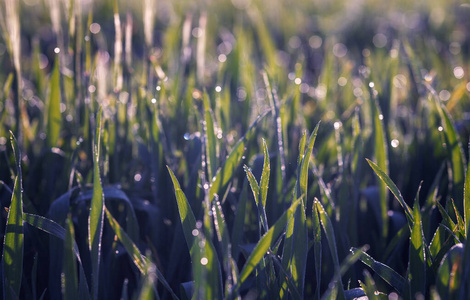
(234, 149)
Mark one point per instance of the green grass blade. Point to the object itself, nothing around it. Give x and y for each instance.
(264, 182)
(96, 218)
(417, 260)
(69, 280)
(388, 274)
(186, 214)
(256, 193)
(13, 245)
(225, 173)
(330, 236)
(264, 244)
(210, 138)
(54, 118)
(303, 178)
(317, 248)
(381, 156)
(394, 189)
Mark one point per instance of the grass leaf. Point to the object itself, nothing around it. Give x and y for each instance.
(96, 219)
(54, 118)
(69, 280)
(394, 189)
(417, 260)
(13, 245)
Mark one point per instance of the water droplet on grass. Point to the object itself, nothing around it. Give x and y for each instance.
(204, 261)
(186, 136)
(394, 143)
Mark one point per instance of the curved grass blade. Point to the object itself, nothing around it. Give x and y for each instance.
(330, 236)
(53, 118)
(264, 244)
(69, 280)
(394, 189)
(225, 173)
(388, 274)
(95, 221)
(417, 262)
(256, 193)
(13, 244)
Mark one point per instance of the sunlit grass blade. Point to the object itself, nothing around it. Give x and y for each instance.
(388, 274)
(96, 218)
(417, 260)
(13, 244)
(256, 193)
(69, 280)
(53, 116)
(303, 176)
(394, 189)
(225, 173)
(264, 182)
(264, 244)
(449, 274)
(381, 156)
(330, 236)
(186, 214)
(317, 248)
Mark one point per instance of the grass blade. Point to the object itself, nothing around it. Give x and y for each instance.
(53, 117)
(303, 176)
(95, 221)
(264, 244)
(225, 173)
(330, 236)
(466, 200)
(210, 138)
(317, 249)
(394, 189)
(388, 274)
(186, 214)
(417, 262)
(13, 245)
(264, 182)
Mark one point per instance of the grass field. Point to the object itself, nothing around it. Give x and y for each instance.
(246, 149)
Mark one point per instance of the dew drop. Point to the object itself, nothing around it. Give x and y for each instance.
(394, 143)
(298, 81)
(195, 232)
(218, 89)
(158, 88)
(154, 100)
(440, 128)
(56, 50)
(186, 136)
(337, 125)
(204, 261)
(137, 177)
(371, 84)
(206, 186)
(381, 117)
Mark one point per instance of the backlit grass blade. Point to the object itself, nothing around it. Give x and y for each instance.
(53, 118)
(13, 245)
(69, 280)
(225, 173)
(417, 260)
(186, 214)
(381, 156)
(388, 274)
(256, 193)
(303, 178)
(96, 218)
(394, 189)
(330, 236)
(317, 248)
(264, 182)
(264, 244)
